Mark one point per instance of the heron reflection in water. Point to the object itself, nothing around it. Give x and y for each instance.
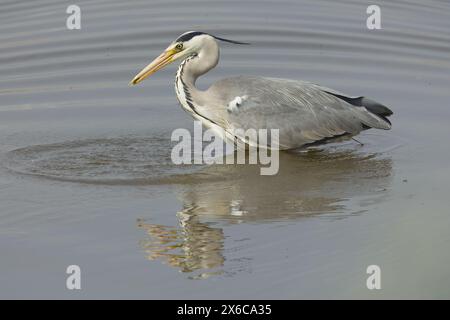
(194, 246)
(315, 183)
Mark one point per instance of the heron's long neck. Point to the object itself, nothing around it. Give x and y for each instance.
(189, 71)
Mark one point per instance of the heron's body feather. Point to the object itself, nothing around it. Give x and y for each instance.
(303, 112)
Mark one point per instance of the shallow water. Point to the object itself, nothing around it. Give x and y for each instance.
(86, 176)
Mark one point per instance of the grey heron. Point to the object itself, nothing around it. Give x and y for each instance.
(303, 112)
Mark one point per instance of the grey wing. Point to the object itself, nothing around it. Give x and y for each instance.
(302, 112)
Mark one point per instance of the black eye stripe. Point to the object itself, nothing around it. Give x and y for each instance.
(188, 36)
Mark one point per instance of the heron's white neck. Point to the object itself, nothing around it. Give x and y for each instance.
(190, 69)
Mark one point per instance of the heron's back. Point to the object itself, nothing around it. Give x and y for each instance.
(302, 111)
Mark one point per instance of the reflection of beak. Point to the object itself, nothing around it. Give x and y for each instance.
(160, 62)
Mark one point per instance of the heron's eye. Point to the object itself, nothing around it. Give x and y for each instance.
(179, 46)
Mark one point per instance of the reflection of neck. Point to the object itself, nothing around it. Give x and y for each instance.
(193, 67)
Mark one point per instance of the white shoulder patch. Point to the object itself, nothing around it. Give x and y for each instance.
(233, 105)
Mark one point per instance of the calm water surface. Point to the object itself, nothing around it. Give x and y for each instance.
(86, 176)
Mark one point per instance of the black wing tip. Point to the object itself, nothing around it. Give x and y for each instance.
(376, 107)
(389, 112)
(371, 105)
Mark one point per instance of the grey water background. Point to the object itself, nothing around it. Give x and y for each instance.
(86, 177)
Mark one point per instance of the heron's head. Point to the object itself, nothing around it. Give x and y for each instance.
(188, 44)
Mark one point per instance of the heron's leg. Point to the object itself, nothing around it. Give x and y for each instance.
(358, 141)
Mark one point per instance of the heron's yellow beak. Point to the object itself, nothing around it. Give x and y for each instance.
(160, 62)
